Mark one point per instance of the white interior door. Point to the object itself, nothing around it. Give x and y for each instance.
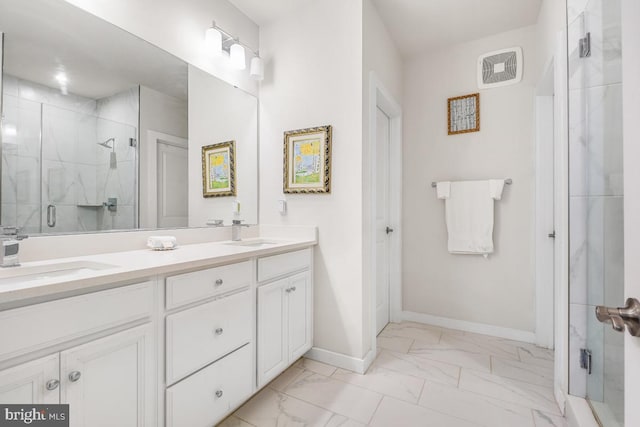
(172, 185)
(383, 228)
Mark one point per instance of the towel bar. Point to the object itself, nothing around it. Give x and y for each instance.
(507, 181)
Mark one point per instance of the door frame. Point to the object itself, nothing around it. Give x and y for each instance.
(545, 201)
(150, 151)
(380, 97)
(630, 111)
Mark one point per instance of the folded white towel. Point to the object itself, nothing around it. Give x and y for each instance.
(469, 215)
(443, 189)
(162, 243)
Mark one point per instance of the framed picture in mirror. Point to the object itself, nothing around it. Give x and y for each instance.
(307, 160)
(463, 114)
(219, 170)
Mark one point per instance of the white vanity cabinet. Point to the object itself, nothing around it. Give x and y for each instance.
(110, 381)
(284, 315)
(107, 380)
(35, 382)
(210, 362)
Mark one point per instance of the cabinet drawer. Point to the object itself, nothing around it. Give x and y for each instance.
(191, 287)
(27, 329)
(204, 399)
(279, 265)
(200, 335)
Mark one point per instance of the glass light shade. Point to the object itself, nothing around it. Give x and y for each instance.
(257, 68)
(238, 60)
(213, 40)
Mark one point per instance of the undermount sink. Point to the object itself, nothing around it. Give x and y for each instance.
(13, 275)
(255, 243)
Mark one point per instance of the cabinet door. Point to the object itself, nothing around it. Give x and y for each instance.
(110, 381)
(35, 382)
(272, 329)
(300, 317)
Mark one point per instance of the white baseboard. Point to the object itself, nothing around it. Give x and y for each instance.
(579, 413)
(339, 360)
(463, 325)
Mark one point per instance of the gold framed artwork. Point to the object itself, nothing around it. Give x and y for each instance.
(307, 160)
(219, 169)
(463, 114)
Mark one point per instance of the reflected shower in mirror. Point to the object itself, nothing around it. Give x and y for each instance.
(96, 127)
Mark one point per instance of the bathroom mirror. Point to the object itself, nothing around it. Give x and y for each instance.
(103, 131)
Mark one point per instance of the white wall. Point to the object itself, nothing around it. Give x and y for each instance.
(552, 19)
(178, 27)
(498, 291)
(219, 113)
(314, 78)
(381, 56)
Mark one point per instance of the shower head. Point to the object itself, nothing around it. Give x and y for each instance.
(105, 144)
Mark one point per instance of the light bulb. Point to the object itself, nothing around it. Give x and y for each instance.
(238, 60)
(213, 40)
(256, 71)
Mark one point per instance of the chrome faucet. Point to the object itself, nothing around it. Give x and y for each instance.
(10, 246)
(236, 227)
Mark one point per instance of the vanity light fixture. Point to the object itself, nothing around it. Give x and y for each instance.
(222, 42)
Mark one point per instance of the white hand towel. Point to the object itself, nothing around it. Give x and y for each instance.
(495, 187)
(469, 215)
(443, 189)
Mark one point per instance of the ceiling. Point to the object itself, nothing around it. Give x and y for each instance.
(420, 25)
(265, 11)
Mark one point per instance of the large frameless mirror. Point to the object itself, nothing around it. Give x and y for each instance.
(102, 130)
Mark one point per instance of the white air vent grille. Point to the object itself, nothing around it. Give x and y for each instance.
(500, 68)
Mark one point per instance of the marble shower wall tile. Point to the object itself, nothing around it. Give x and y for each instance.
(578, 249)
(577, 340)
(595, 343)
(595, 141)
(601, 18)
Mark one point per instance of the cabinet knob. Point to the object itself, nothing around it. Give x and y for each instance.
(287, 290)
(52, 384)
(219, 393)
(74, 376)
(293, 288)
(219, 282)
(219, 331)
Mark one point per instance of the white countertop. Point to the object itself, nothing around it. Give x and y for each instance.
(134, 265)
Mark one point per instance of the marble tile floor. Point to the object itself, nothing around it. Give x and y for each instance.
(422, 376)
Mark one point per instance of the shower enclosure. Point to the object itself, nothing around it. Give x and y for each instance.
(69, 163)
(596, 366)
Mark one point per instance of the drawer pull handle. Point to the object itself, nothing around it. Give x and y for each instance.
(52, 384)
(219, 393)
(219, 282)
(219, 331)
(74, 376)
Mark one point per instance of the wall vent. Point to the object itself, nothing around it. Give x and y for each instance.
(500, 68)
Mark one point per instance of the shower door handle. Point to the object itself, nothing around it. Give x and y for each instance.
(628, 315)
(51, 215)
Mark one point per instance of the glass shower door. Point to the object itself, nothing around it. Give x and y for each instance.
(596, 204)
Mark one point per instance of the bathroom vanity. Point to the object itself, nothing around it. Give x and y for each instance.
(145, 338)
